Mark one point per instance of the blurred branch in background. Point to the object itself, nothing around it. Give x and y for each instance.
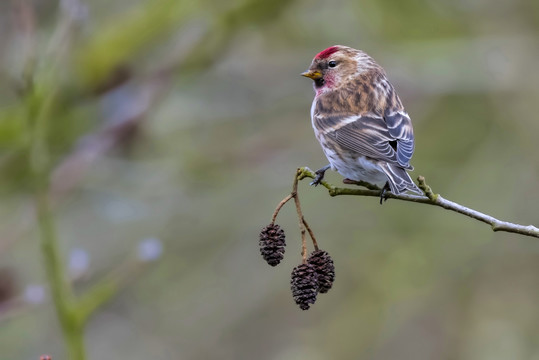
(125, 101)
(430, 198)
(101, 75)
(78, 274)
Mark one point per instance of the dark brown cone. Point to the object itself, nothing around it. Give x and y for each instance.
(304, 285)
(323, 265)
(272, 243)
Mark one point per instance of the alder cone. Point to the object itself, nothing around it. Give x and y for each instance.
(304, 285)
(272, 244)
(325, 269)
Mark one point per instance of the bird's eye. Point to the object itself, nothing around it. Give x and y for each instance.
(332, 63)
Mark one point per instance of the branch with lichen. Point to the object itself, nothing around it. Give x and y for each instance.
(430, 198)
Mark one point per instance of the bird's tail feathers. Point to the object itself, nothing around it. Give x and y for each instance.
(399, 180)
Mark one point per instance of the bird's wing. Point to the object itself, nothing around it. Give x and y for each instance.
(371, 136)
(400, 128)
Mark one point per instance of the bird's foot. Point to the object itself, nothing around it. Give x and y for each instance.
(319, 175)
(383, 194)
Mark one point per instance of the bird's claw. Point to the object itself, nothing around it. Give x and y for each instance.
(317, 179)
(383, 194)
(319, 176)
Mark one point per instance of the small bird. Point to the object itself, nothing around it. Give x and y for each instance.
(360, 122)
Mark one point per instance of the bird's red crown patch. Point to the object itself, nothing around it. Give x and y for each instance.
(326, 53)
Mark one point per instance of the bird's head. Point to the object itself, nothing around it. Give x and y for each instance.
(337, 66)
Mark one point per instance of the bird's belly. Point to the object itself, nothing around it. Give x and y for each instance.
(352, 165)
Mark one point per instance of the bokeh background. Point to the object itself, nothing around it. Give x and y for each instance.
(180, 125)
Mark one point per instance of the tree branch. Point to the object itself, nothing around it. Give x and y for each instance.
(301, 219)
(430, 198)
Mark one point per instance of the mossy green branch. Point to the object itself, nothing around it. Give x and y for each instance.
(426, 189)
(72, 312)
(104, 290)
(39, 116)
(95, 297)
(430, 198)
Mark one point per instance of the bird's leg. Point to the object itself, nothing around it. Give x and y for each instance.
(383, 195)
(320, 175)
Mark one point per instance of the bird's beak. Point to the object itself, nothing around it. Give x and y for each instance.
(312, 74)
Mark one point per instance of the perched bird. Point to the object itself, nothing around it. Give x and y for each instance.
(360, 122)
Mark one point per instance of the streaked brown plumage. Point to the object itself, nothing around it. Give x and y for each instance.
(359, 120)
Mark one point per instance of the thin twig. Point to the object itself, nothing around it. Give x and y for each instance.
(301, 220)
(279, 206)
(431, 199)
(311, 234)
(303, 225)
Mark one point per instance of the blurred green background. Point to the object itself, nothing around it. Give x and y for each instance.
(184, 122)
